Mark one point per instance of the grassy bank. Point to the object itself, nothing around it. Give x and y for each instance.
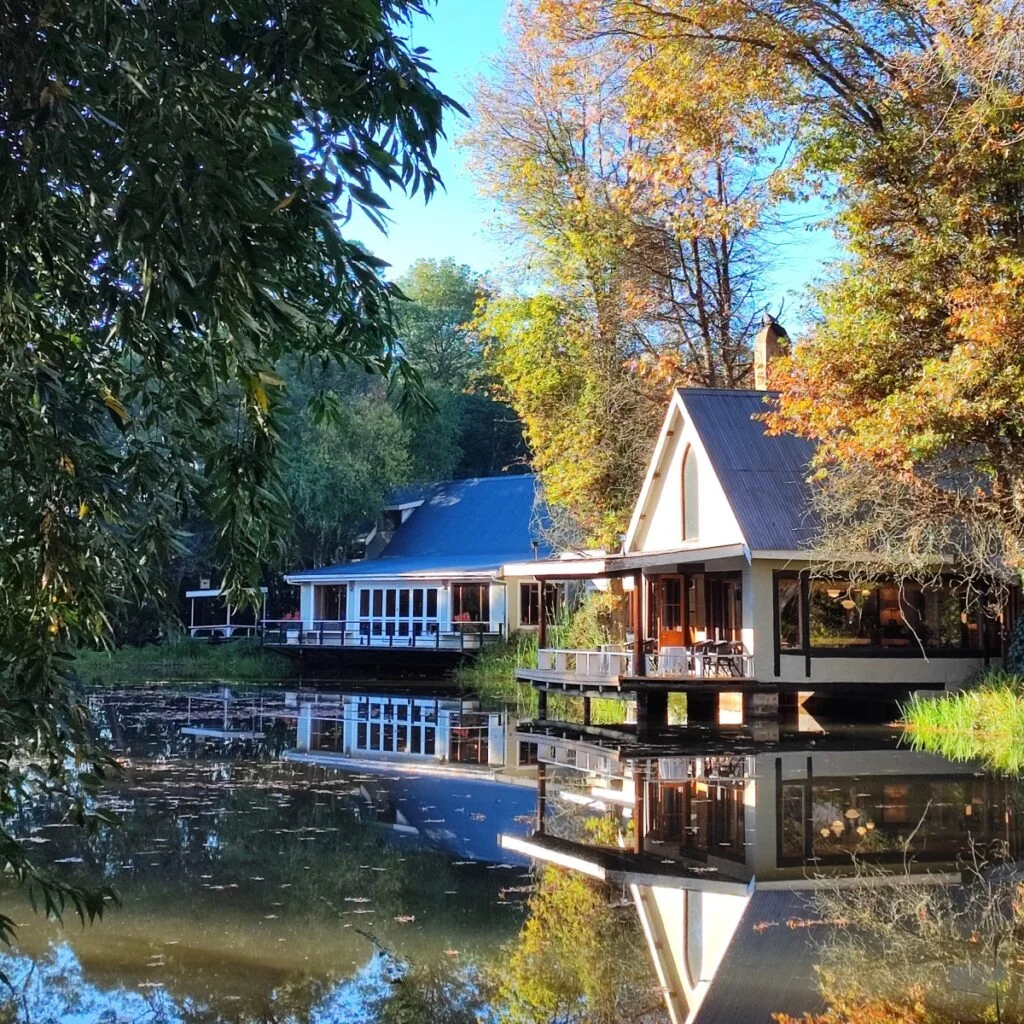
(986, 722)
(183, 660)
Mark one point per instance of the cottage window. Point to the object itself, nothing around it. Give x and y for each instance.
(398, 611)
(529, 604)
(471, 604)
(790, 622)
(330, 603)
(691, 517)
(875, 617)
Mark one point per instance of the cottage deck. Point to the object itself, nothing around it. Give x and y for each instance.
(356, 635)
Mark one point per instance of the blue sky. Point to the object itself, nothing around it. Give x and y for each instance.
(460, 36)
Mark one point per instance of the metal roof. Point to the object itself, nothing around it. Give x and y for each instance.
(463, 526)
(769, 965)
(764, 477)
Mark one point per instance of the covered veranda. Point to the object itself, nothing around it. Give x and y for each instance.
(683, 619)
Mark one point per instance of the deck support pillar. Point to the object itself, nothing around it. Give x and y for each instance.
(542, 705)
(789, 709)
(586, 711)
(651, 712)
(542, 618)
(542, 795)
(701, 708)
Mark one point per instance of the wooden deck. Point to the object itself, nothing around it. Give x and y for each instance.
(293, 635)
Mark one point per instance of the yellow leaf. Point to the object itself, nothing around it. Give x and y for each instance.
(114, 405)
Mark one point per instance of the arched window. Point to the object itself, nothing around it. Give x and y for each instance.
(691, 517)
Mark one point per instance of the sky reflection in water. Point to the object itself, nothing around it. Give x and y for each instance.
(260, 890)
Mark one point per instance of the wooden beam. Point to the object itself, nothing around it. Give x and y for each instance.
(542, 621)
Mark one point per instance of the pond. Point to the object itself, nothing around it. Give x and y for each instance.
(253, 888)
(331, 857)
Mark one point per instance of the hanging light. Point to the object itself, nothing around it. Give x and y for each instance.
(852, 813)
(833, 592)
(849, 604)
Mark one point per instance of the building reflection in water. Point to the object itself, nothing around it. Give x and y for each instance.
(717, 830)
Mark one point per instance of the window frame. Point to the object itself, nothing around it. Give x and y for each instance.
(807, 650)
(690, 496)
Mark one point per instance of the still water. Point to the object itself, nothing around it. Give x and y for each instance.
(257, 889)
(313, 857)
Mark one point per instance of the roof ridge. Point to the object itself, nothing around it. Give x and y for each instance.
(684, 390)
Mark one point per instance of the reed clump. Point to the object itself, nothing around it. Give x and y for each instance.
(985, 722)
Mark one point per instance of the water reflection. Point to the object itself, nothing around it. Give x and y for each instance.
(761, 855)
(259, 889)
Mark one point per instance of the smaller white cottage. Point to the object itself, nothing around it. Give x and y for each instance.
(434, 577)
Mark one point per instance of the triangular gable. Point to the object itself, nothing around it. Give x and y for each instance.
(656, 524)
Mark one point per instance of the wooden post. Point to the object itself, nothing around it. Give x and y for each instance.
(586, 711)
(639, 661)
(542, 705)
(542, 619)
(639, 809)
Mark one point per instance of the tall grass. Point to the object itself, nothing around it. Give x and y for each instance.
(984, 723)
(181, 660)
(492, 676)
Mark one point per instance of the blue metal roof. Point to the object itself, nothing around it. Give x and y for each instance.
(764, 477)
(468, 526)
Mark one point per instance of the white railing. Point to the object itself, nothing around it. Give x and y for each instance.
(223, 630)
(708, 661)
(466, 636)
(607, 664)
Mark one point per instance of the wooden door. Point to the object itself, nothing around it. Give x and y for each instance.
(670, 593)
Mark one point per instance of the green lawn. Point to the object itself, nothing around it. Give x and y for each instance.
(183, 660)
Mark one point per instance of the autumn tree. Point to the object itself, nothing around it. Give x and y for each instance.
(952, 954)
(577, 958)
(910, 113)
(174, 182)
(657, 274)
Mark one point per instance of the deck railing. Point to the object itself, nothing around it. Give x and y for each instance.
(703, 661)
(608, 664)
(464, 636)
(224, 630)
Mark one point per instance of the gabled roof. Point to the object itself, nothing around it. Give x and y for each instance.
(764, 477)
(463, 526)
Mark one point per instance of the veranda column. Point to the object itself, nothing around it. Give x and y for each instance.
(639, 661)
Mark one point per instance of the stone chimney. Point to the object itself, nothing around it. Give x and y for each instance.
(771, 342)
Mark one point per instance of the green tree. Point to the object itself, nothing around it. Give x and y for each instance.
(342, 463)
(436, 326)
(174, 179)
(440, 337)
